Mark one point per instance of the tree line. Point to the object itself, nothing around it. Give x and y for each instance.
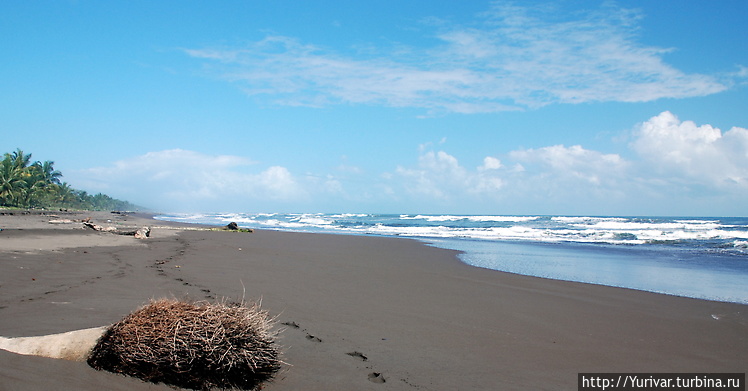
(27, 184)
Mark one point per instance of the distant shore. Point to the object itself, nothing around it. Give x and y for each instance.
(356, 310)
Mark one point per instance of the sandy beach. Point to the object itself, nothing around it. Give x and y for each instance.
(359, 312)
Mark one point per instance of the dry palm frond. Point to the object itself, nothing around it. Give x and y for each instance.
(196, 345)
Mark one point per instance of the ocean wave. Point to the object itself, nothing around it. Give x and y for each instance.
(634, 225)
(582, 229)
(584, 219)
(488, 218)
(740, 244)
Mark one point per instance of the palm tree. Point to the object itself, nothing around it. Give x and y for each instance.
(12, 181)
(20, 159)
(64, 194)
(23, 183)
(37, 187)
(41, 184)
(37, 184)
(48, 172)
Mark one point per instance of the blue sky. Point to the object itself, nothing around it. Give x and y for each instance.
(532, 107)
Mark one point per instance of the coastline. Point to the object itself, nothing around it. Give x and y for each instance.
(353, 306)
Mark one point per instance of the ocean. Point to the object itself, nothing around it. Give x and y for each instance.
(705, 258)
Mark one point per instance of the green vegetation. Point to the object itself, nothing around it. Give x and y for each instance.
(27, 184)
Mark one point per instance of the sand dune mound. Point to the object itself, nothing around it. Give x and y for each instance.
(196, 345)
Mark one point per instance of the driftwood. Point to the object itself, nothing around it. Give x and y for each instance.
(140, 233)
(73, 345)
(143, 233)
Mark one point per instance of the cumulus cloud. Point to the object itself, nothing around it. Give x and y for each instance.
(490, 163)
(572, 162)
(178, 179)
(691, 153)
(557, 173)
(509, 58)
(675, 166)
(440, 176)
(436, 175)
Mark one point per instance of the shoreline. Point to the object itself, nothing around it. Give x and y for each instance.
(354, 306)
(611, 251)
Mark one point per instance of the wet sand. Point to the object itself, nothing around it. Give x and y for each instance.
(356, 310)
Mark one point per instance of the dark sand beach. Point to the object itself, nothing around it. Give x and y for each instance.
(355, 309)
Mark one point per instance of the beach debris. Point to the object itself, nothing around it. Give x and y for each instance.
(140, 233)
(97, 227)
(143, 233)
(62, 221)
(233, 227)
(72, 345)
(195, 345)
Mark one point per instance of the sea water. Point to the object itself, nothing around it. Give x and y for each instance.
(696, 257)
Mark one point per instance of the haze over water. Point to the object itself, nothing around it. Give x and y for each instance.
(703, 258)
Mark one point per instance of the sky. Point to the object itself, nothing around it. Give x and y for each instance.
(636, 108)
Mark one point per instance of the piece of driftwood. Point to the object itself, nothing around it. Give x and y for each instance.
(72, 345)
(140, 233)
(97, 227)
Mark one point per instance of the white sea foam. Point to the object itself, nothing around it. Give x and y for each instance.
(439, 218)
(314, 220)
(697, 221)
(584, 219)
(349, 215)
(630, 225)
(583, 229)
(183, 217)
(515, 219)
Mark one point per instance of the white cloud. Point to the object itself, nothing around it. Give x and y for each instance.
(178, 179)
(555, 175)
(677, 167)
(440, 176)
(436, 175)
(687, 152)
(275, 182)
(490, 163)
(572, 179)
(509, 58)
(572, 162)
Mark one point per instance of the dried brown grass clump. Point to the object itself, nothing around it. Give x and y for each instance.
(196, 345)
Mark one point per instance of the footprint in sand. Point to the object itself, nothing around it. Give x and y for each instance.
(295, 325)
(358, 354)
(376, 377)
(313, 338)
